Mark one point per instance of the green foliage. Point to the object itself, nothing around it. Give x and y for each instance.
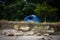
(45, 10)
(41, 8)
(18, 9)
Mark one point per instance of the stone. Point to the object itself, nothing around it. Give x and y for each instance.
(30, 32)
(26, 28)
(15, 27)
(38, 34)
(8, 32)
(19, 33)
(46, 34)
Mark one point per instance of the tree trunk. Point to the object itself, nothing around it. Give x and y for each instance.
(45, 19)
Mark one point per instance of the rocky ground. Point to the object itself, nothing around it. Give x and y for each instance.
(20, 32)
(51, 37)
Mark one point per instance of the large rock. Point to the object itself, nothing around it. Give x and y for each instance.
(19, 33)
(30, 33)
(24, 28)
(16, 27)
(8, 32)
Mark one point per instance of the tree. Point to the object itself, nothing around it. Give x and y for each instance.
(15, 10)
(45, 10)
(18, 9)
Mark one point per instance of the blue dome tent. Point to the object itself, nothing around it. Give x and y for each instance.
(31, 18)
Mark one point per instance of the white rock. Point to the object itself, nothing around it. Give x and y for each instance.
(30, 32)
(6, 32)
(25, 28)
(46, 34)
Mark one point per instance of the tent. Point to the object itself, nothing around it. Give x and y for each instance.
(31, 18)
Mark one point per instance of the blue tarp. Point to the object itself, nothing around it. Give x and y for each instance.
(31, 18)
